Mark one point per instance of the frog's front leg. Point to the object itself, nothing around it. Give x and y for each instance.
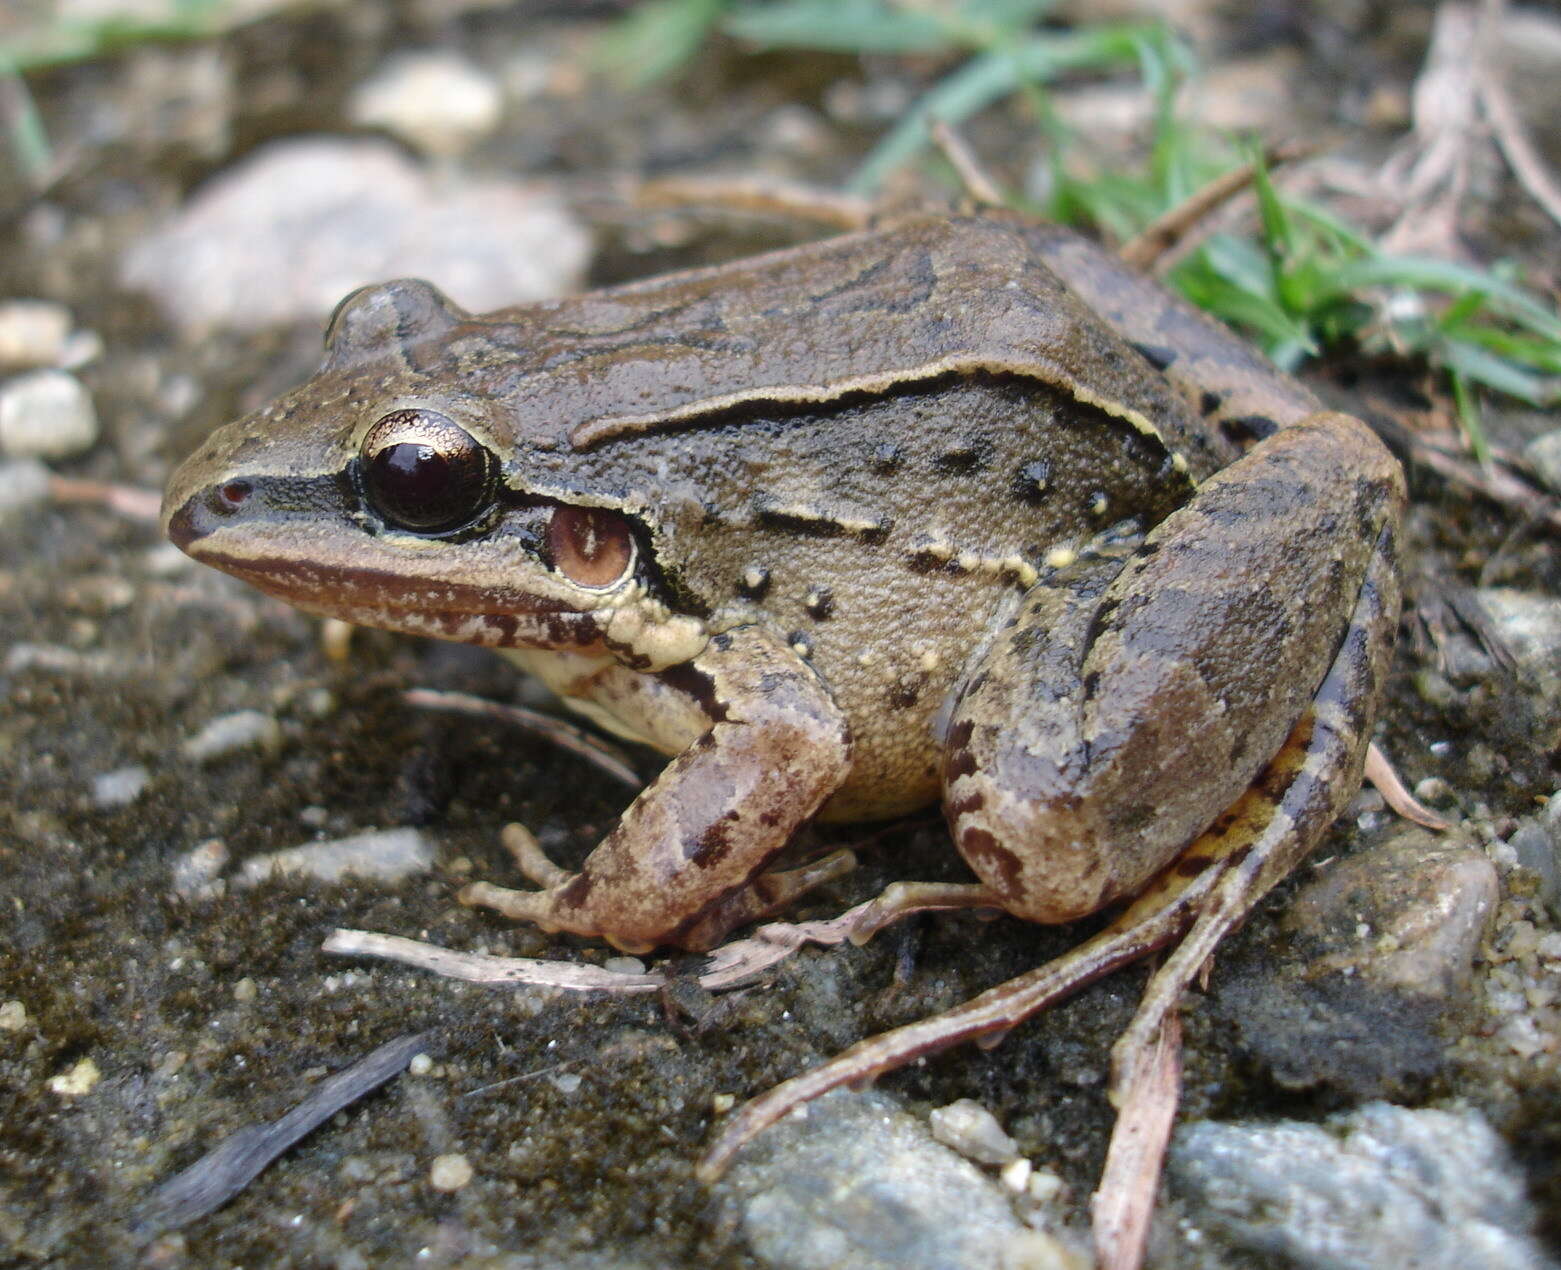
(677, 868)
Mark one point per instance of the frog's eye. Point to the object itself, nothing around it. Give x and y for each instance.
(421, 472)
(590, 546)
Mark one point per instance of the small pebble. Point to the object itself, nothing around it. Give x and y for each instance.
(565, 1082)
(46, 414)
(228, 733)
(197, 869)
(13, 1016)
(386, 855)
(436, 101)
(624, 965)
(33, 333)
(420, 1065)
(1015, 1175)
(973, 1131)
(450, 1173)
(244, 990)
(80, 1079)
(119, 788)
(720, 1104)
(24, 485)
(1045, 1186)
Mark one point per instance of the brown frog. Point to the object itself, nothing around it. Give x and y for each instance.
(956, 508)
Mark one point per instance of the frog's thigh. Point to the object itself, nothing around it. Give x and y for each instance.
(777, 748)
(1113, 722)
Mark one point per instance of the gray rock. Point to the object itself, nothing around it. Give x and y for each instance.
(384, 855)
(1530, 625)
(1538, 846)
(1544, 453)
(858, 1182)
(284, 235)
(1407, 914)
(46, 414)
(24, 484)
(1380, 1187)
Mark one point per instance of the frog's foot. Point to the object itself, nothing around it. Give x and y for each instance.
(1205, 892)
(902, 899)
(767, 895)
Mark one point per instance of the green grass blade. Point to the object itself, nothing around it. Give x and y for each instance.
(656, 39)
(986, 78)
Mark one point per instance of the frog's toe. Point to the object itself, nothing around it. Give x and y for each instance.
(536, 907)
(529, 857)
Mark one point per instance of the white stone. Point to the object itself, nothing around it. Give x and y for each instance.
(973, 1131)
(282, 236)
(450, 1173)
(436, 101)
(385, 855)
(46, 414)
(33, 333)
(228, 733)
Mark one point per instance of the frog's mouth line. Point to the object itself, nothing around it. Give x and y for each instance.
(442, 610)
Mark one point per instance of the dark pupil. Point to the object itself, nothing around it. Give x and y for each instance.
(425, 486)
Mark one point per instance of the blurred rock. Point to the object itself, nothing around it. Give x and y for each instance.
(24, 484)
(385, 855)
(1544, 453)
(858, 1182)
(1381, 1188)
(229, 733)
(436, 101)
(33, 333)
(283, 236)
(46, 414)
(1530, 625)
(973, 1131)
(1537, 843)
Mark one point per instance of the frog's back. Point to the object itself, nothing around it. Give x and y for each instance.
(871, 445)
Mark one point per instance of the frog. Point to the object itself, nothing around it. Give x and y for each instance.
(953, 508)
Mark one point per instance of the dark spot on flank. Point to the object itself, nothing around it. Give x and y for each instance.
(961, 457)
(1091, 684)
(800, 643)
(960, 734)
(1211, 402)
(1032, 480)
(1155, 355)
(904, 694)
(753, 582)
(820, 603)
(975, 800)
(1250, 428)
(1190, 864)
(991, 860)
(886, 457)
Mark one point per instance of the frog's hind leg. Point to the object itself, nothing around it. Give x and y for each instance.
(1206, 891)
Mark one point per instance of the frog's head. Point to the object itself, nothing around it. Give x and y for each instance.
(377, 492)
